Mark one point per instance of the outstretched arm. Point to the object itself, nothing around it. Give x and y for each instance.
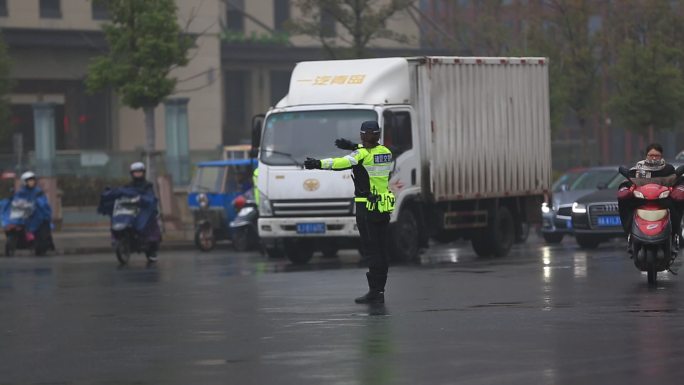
(344, 162)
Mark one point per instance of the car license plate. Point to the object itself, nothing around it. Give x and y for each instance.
(609, 220)
(310, 228)
(568, 224)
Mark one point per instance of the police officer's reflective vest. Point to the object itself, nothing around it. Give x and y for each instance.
(378, 163)
(255, 188)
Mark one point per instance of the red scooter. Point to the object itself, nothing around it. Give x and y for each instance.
(654, 249)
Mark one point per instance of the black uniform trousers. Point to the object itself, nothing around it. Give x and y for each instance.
(361, 214)
(377, 225)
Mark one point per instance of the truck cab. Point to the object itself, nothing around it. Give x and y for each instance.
(303, 211)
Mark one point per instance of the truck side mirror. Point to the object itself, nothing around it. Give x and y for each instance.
(257, 122)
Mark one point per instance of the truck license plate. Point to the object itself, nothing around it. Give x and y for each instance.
(310, 228)
(609, 220)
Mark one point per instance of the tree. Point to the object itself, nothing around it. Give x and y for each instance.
(648, 72)
(577, 59)
(5, 88)
(363, 21)
(145, 44)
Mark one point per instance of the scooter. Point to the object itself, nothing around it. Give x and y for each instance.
(15, 223)
(245, 235)
(653, 246)
(132, 223)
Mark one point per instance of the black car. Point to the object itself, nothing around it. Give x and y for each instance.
(595, 218)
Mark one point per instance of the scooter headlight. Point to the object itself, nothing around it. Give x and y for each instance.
(638, 194)
(203, 200)
(245, 211)
(664, 194)
(579, 208)
(651, 215)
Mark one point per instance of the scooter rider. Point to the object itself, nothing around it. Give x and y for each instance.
(371, 182)
(654, 166)
(31, 190)
(143, 186)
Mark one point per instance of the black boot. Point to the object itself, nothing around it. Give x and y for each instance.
(376, 290)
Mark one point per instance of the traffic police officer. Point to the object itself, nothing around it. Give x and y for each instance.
(361, 192)
(371, 183)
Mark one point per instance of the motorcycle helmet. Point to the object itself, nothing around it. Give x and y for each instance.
(26, 176)
(137, 166)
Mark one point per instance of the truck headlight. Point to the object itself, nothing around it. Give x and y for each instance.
(578, 208)
(545, 208)
(264, 206)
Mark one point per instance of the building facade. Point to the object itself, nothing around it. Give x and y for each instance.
(240, 67)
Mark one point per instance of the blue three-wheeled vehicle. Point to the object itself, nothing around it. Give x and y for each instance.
(212, 199)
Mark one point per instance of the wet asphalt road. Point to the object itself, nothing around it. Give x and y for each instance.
(543, 315)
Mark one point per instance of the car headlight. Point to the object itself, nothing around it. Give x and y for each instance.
(664, 194)
(579, 208)
(638, 194)
(545, 208)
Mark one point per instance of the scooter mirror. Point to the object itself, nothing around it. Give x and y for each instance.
(680, 170)
(624, 171)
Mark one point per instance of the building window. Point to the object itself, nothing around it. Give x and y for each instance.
(99, 10)
(281, 14)
(3, 8)
(237, 118)
(235, 18)
(50, 9)
(327, 24)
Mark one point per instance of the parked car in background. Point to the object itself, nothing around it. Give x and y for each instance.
(557, 217)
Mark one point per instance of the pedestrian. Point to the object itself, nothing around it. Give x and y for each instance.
(371, 181)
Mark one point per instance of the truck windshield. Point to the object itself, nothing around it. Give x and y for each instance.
(290, 137)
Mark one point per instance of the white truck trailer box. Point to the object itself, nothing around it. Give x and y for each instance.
(470, 138)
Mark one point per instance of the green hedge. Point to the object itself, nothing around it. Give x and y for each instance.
(85, 191)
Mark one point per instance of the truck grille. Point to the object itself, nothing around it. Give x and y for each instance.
(313, 207)
(600, 209)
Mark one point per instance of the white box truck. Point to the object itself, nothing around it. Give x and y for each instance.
(471, 143)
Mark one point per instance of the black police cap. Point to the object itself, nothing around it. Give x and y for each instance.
(370, 127)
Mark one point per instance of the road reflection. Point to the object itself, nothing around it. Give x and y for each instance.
(377, 348)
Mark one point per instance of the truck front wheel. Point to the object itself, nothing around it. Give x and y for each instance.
(404, 237)
(299, 251)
